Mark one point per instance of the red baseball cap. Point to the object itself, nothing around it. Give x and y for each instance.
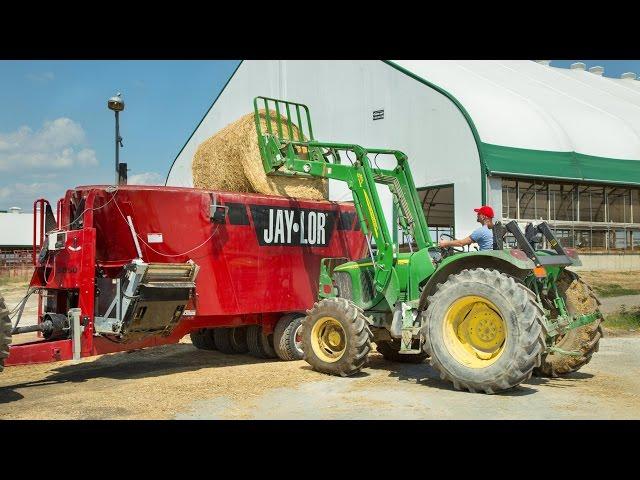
(485, 210)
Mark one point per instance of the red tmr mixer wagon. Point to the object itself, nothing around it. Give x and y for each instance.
(126, 267)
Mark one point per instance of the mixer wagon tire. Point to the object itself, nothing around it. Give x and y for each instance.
(390, 350)
(585, 340)
(335, 337)
(5, 332)
(287, 337)
(222, 338)
(203, 339)
(260, 345)
(238, 339)
(483, 331)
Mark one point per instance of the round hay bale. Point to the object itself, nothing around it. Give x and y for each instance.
(230, 160)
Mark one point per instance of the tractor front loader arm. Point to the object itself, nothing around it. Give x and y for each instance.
(284, 155)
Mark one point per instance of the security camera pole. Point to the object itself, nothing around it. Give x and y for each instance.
(116, 104)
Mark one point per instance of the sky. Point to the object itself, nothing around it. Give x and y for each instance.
(57, 133)
(612, 68)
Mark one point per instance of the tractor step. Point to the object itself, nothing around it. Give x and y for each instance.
(410, 352)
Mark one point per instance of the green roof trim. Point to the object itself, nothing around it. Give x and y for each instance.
(575, 166)
(522, 162)
(465, 114)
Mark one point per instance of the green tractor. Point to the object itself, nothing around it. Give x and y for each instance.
(486, 320)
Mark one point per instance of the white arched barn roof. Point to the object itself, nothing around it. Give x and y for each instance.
(527, 118)
(536, 120)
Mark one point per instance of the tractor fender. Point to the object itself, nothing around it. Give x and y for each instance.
(513, 262)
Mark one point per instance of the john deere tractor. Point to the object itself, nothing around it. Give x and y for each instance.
(486, 320)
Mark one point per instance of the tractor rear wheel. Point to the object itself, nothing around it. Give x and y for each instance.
(287, 337)
(203, 339)
(585, 340)
(483, 331)
(390, 350)
(335, 337)
(260, 345)
(222, 338)
(5, 332)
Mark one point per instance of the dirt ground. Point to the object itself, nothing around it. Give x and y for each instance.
(181, 382)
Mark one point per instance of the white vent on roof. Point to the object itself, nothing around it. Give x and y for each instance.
(628, 75)
(578, 66)
(15, 210)
(543, 62)
(597, 70)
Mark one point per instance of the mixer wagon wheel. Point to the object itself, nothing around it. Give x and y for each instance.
(585, 340)
(223, 341)
(203, 339)
(390, 350)
(260, 345)
(5, 332)
(238, 339)
(483, 331)
(287, 337)
(335, 337)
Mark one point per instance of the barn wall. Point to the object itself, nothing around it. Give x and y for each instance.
(342, 96)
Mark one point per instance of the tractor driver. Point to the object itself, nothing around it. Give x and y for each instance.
(482, 235)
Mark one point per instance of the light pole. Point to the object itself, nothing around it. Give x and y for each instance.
(116, 103)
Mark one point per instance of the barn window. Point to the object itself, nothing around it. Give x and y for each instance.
(562, 198)
(635, 206)
(509, 199)
(437, 204)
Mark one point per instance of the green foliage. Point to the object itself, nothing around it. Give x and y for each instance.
(625, 319)
(614, 290)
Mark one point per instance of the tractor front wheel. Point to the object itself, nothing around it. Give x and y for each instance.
(583, 341)
(483, 331)
(335, 337)
(5, 332)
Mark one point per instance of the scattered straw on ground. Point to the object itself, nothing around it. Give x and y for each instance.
(612, 283)
(230, 160)
(166, 380)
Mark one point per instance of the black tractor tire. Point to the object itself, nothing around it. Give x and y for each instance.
(579, 299)
(260, 345)
(390, 350)
(222, 338)
(348, 354)
(284, 337)
(343, 283)
(520, 325)
(5, 332)
(203, 339)
(238, 339)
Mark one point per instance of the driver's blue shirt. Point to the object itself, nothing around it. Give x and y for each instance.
(483, 237)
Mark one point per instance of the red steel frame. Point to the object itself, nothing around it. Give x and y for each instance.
(240, 281)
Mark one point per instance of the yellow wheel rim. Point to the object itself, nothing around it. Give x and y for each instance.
(474, 331)
(328, 339)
